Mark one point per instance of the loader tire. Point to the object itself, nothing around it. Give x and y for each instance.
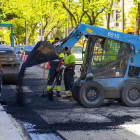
(75, 93)
(130, 94)
(91, 94)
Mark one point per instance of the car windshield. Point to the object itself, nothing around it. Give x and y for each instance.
(29, 47)
(18, 48)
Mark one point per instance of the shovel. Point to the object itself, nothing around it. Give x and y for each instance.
(50, 92)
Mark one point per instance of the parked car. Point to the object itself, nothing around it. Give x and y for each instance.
(27, 49)
(18, 49)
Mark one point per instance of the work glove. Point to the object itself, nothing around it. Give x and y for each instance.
(62, 67)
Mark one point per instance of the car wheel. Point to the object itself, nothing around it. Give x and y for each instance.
(130, 94)
(91, 94)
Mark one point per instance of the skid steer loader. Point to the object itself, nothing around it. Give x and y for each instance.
(111, 65)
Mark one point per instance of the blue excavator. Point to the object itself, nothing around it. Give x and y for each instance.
(110, 69)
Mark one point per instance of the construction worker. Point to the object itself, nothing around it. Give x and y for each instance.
(69, 67)
(54, 70)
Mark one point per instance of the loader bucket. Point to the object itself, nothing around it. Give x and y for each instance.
(42, 52)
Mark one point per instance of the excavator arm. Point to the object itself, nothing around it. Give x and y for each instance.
(83, 29)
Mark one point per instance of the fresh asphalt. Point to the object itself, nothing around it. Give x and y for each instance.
(65, 118)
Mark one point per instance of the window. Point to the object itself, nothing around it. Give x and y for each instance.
(108, 50)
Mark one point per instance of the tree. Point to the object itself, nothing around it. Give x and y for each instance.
(85, 11)
(108, 12)
(26, 10)
(52, 16)
(136, 32)
(134, 16)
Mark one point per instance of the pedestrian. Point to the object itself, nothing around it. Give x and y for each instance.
(1, 72)
(53, 72)
(69, 64)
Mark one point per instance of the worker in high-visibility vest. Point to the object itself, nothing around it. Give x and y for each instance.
(69, 66)
(53, 72)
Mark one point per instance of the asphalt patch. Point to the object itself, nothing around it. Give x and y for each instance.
(29, 115)
(114, 124)
(36, 106)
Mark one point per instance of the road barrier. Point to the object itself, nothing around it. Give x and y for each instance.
(23, 58)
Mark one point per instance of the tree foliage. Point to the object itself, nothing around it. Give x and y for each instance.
(85, 11)
(54, 14)
(132, 15)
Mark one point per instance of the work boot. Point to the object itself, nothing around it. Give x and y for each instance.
(58, 94)
(50, 95)
(68, 93)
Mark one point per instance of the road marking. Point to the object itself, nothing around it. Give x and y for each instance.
(30, 129)
(133, 128)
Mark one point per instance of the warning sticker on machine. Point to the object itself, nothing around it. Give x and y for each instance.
(117, 73)
(89, 30)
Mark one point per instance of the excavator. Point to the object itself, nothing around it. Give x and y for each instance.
(110, 69)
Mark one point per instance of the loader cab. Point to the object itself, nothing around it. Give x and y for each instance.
(107, 72)
(101, 52)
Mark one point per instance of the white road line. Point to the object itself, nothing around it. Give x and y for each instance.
(50, 136)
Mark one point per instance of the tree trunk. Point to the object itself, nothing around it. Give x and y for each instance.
(108, 20)
(108, 17)
(137, 21)
(25, 34)
(71, 22)
(46, 23)
(72, 15)
(32, 32)
(51, 30)
(18, 35)
(18, 38)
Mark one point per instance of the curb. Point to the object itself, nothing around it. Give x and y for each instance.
(8, 130)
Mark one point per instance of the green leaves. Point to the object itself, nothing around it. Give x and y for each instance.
(54, 14)
(132, 15)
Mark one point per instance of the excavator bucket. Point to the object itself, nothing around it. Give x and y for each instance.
(42, 52)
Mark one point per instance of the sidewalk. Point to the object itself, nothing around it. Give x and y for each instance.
(8, 130)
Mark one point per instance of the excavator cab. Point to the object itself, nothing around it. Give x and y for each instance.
(105, 72)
